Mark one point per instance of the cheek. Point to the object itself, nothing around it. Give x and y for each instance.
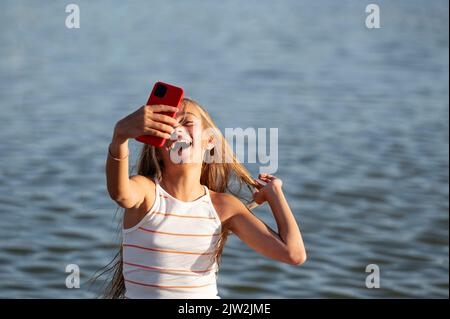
(196, 134)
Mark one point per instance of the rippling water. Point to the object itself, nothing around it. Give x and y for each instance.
(363, 130)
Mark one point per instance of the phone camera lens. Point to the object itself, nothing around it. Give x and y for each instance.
(160, 90)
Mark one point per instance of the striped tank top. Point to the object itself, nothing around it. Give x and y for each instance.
(170, 253)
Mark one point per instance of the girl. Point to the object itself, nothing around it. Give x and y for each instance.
(179, 211)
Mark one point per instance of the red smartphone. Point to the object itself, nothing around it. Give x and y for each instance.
(167, 94)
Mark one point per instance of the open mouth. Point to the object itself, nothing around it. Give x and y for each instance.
(180, 145)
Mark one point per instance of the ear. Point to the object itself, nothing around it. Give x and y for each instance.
(210, 144)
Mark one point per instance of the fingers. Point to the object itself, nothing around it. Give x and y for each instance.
(163, 108)
(258, 198)
(164, 119)
(157, 133)
(265, 177)
(161, 127)
(271, 179)
(259, 185)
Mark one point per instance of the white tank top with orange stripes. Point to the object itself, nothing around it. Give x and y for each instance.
(170, 253)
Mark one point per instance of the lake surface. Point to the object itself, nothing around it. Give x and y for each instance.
(363, 135)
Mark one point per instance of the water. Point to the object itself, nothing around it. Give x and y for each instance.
(363, 130)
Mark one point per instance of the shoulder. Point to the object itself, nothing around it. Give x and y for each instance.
(146, 187)
(227, 205)
(144, 181)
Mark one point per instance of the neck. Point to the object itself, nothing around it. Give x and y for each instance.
(183, 182)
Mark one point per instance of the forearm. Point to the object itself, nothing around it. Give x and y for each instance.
(117, 176)
(288, 229)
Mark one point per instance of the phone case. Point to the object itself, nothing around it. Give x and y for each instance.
(172, 97)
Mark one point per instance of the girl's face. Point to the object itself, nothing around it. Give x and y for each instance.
(187, 143)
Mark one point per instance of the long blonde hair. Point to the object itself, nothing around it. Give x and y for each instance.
(221, 176)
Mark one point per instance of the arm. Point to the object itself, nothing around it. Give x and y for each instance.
(129, 192)
(126, 191)
(286, 245)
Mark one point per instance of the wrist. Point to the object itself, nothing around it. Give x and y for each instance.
(118, 138)
(274, 192)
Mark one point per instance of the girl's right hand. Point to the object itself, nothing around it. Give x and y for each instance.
(146, 121)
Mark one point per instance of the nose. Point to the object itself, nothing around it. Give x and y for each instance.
(180, 133)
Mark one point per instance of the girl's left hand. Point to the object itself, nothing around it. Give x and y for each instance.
(270, 186)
